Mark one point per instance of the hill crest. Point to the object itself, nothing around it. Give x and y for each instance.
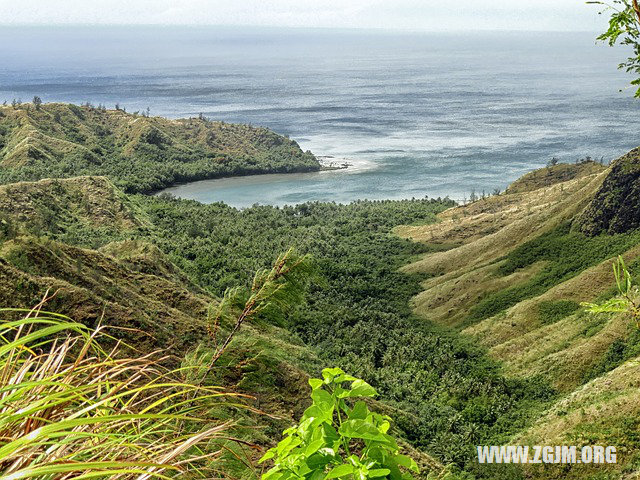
(137, 152)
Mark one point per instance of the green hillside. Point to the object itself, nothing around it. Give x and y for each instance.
(137, 152)
(513, 282)
(466, 319)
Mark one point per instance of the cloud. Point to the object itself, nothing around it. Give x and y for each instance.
(394, 14)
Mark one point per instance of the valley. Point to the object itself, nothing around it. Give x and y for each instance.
(467, 319)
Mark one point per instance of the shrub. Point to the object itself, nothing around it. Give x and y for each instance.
(552, 311)
(337, 438)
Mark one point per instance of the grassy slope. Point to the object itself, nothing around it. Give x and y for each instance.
(602, 412)
(129, 283)
(138, 153)
(511, 278)
(519, 242)
(545, 177)
(444, 392)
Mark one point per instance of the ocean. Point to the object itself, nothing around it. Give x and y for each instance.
(416, 114)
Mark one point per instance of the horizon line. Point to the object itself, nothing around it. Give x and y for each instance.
(293, 27)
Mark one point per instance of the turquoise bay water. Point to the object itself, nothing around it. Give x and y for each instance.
(417, 114)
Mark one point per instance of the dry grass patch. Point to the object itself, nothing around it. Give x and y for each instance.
(447, 299)
(533, 214)
(603, 412)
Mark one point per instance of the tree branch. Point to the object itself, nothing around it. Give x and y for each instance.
(636, 7)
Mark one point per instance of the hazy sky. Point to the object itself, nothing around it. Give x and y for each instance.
(391, 14)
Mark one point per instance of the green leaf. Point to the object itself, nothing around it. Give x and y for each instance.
(330, 434)
(273, 474)
(360, 388)
(320, 459)
(323, 400)
(305, 429)
(379, 472)
(318, 474)
(315, 383)
(384, 426)
(361, 429)
(318, 414)
(407, 462)
(330, 373)
(344, 378)
(359, 411)
(286, 445)
(340, 471)
(313, 447)
(270, 454)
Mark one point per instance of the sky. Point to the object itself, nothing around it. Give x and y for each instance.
(423, 15)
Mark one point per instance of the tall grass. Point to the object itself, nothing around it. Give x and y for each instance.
(71, 409)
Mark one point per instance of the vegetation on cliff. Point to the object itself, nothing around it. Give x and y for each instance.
(514, 283)
(441, 389)
(616, 206)
(137, 152)
(496, 335)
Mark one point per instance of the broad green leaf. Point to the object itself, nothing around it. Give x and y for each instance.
(379, 472)
(360, 388)
(344, 378)
(407, 462)
(330, 434)
(318, 414)
(384, 427)
(318, 474)
(330, 373)
(315, 383)
(270, 454)
(313, 447)
(273, 474)
(323, 400)
(320, 459)
(340, 471)
(361, 429)
(359, 411)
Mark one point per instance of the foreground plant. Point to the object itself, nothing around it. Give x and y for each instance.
(273, 292)
(339, 438)
(628, 298)
(69, 409)
(624, 28)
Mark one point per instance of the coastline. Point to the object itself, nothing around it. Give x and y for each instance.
(329, 162)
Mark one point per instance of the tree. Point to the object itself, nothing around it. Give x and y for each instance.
(624, 29)
(37, 101)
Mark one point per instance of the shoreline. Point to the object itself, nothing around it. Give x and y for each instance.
(330, 163)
